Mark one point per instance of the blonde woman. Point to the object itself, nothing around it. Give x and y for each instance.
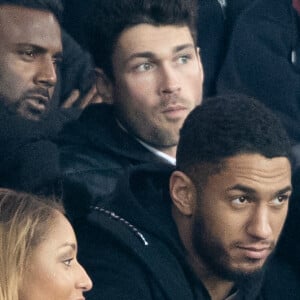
(38, 251)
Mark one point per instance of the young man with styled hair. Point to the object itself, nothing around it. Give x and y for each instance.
(152, 68)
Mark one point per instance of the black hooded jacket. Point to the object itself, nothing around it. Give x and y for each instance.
(131, 248)
(95, 151)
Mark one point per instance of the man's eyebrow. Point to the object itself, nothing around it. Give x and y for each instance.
(145, 54)
(249, 190)
(151, 55)
(243, 188)
(184, 47)
(33, 46)
(285, 190)
(38, 49)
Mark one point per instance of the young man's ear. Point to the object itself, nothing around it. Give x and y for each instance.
(183, 193)
(104, 86)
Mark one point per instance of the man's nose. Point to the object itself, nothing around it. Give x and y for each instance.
(170, 82)
(259, 225)
(46, 73)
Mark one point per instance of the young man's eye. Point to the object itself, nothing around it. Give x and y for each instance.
(183, 59)
(240, 201)
(280, 200)
(144, 67)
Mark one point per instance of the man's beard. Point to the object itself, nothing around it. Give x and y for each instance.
(18, 107)
(215, 259)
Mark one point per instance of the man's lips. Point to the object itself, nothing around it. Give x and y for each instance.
(174, 110)
(256, 252)
(38, 102)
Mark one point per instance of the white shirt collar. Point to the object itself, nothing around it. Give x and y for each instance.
(170, 159)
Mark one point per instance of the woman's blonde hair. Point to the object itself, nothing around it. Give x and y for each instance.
(25, 221)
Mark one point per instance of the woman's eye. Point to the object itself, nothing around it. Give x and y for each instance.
(68, 262)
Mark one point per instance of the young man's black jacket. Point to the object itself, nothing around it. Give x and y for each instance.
(130, 246)
(95, 151)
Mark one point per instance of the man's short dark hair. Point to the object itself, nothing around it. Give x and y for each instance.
(109, 18)
(53, 6)
(225, 126)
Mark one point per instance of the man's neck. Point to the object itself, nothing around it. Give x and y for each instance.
(217, 287)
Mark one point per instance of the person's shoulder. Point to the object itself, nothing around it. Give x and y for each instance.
(269, 11)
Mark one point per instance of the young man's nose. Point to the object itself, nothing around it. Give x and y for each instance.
(170, 82)
(259, 224)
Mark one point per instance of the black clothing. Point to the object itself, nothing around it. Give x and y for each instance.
(211, 40)
(29, 160)
(74, 73)
(263, 60)
(131, 248)
(95, 151)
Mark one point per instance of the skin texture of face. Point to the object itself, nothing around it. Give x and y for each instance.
(53, 271)
(237, 217)
(29, 51)
(158, 81)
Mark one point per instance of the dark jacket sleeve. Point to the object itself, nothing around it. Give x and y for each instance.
(259, 63)
(115, 273)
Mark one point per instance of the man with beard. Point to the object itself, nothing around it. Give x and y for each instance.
(206, 230)
(30, 50)
(31, 67)
(153, 70)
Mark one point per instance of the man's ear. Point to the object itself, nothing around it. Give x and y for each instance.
(183, 193)
(104, 86)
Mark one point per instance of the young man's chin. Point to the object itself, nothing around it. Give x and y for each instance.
(253, 272)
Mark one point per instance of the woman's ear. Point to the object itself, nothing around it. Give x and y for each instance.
(183, 193)
(104, 86)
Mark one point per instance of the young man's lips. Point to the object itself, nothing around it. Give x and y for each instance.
(256, 252)
(174, 110)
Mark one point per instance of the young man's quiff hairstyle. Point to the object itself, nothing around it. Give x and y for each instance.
(53, 6)
(226, 126)
(109, 18)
